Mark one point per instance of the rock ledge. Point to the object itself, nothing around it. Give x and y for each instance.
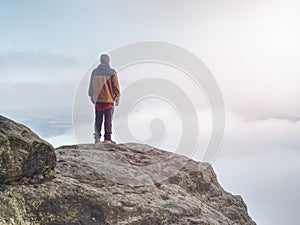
(113, 184)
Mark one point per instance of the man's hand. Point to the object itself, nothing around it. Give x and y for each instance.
(92, 100)
(117, 101)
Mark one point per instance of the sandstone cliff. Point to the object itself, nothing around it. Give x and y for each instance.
(107, 184)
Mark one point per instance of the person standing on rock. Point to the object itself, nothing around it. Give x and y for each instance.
(104, 91)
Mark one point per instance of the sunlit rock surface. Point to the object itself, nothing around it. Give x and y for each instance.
(121, 184)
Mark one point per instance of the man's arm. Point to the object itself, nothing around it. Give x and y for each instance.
(91, 88)
(116, 88)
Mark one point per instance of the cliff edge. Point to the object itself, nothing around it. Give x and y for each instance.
(107, 184)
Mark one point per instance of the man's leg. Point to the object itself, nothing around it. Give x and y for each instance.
(108, 114)
(98, 124)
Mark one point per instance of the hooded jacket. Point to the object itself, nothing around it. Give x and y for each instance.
(104, 85)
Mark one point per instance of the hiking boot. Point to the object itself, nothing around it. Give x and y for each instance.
(109, 142)
(97, 140)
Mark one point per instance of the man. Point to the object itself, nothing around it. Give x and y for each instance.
(104, 91)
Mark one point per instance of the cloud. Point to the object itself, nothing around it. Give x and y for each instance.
(32, 82)
(33, 98)
(267, 181)
(260, 160)
(294, 119)
(25, 66)
(67, 138)
(252, 137)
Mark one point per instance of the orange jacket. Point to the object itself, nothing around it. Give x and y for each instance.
(104, 88)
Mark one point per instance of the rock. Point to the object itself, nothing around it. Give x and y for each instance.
(23, 155)
(107, 184)
(123, 184)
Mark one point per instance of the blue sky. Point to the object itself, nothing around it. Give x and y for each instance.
(251, 47)
(62, 27)
(240, 42)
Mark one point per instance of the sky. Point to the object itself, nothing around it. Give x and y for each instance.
(47, 49)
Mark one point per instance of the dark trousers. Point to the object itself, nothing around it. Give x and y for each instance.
(107, 114)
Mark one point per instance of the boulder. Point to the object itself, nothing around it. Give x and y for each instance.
(23, 155)
(103, 184)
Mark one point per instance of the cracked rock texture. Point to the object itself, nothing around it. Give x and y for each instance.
(122, 184)
(23, 154)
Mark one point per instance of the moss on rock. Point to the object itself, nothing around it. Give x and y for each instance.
(23, 153)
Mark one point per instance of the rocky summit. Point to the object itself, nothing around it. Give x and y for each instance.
(107, 184)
